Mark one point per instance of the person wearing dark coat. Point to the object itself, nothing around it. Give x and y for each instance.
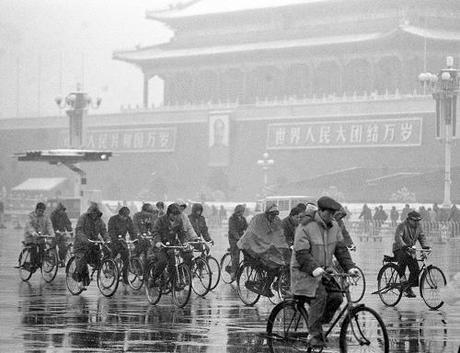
(406, 235)
(394, 215)
(90, 226)
(169, 229)
(237, 225)
(143, 222)
(290, 223)
(199, 223)
(339, 216)
(120, 225)
(61, 224)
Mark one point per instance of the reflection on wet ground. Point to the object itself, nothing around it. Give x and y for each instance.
(40, 317)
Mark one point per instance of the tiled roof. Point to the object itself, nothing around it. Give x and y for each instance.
(164, 52)
(207, 7)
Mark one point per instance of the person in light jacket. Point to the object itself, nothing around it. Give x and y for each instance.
(316, 241)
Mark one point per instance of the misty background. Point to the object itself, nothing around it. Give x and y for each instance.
(48, 46)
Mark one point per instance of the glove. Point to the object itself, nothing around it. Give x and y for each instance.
(354, 272)
(318, 272)
(212, 242)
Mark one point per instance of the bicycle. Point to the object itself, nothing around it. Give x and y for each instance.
(104, 265)
(251, 280)
(431, 280)
(135, 267)
(48, 260)
(178, 283)
(226, 267)
(357, 283)
(201, 271)
(361, 326)
(69, 248)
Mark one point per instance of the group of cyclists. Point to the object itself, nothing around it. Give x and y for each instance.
(307, 240)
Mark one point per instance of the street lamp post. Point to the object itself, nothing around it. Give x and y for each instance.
(445, 87)
(265, 163)
(76, 105)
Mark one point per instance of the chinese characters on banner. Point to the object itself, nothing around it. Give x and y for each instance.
(402, 132)
(158, 139)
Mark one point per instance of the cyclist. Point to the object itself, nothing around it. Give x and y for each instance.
(190, 233)
(290, 223)
(90, 226)
(160, 205)
(406, 235)
(316, 241)
(119, 225)
(265, 244)
(339, 216)
(37, 223)
(169, 229)
(61, 223)
(143, 222)
(237, 225)
(199, 222)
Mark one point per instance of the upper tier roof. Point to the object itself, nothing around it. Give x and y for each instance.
(166, 52)
(207, 7)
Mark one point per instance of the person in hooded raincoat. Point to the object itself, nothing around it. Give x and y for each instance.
(90, 226)
(264, 242)
(61, 224)
(237, 225)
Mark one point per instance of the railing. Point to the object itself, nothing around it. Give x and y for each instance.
(373, 230)
(285, 100)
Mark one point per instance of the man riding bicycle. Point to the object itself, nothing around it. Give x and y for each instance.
(61, 224)
(318, 238)
(406, 235)
(120, 225)
(169, 229)
(237, 225)
(38, 223)
(143, 222)
(198, 222)
(89, 227)
(265, 244)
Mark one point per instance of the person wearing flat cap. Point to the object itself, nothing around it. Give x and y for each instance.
(315, 244)
(406, 235)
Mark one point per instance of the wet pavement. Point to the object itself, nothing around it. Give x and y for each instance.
(40, 317)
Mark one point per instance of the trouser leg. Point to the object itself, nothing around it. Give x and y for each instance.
(235, 255)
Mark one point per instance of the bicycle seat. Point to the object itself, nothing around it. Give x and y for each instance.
(388, 258)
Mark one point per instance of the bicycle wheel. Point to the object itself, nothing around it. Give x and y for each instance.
(69, 253)
(431, 282)
(152, 285)
(215, 271)
(49, 265)
(72, 285)
(25, 264)
(107, 277)
(287, 327)
(357, 286)
(225, 268)
(135, 271)
(363, 330)
(280, 286)
(182, 286)
(201, 277)
(389, 284)
(247, 276)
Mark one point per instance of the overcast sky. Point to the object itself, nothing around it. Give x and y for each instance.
(57, 43)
